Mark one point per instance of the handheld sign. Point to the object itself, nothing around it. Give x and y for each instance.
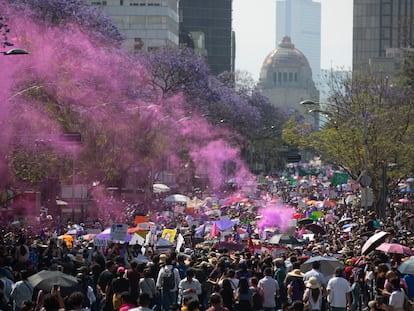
(119, 232)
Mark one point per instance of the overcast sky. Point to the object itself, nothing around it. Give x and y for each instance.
(254, 24)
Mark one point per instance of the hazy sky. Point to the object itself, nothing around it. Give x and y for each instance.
(254, 24)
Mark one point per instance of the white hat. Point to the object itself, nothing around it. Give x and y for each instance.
(312, 283)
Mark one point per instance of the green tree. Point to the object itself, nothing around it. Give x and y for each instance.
(368, 119)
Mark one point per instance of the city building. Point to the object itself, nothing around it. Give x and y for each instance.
(286, 79)
(381, 30)
(146, 24)
(301, 21)
(206, 26)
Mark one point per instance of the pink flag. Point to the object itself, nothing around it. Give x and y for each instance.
(214, 230)
(301, 232)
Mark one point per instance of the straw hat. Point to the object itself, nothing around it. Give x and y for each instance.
(163, 258)
(312, 283)
(296, 273)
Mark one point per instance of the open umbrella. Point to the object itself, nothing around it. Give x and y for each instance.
(106, 235)
(305, 221)
(46, 279)
(284, 239)
(407, 267)
(344, 220)
(176, 198)
(328, 264)
(394, 248)
(315, 228)
(373, 242)
(160, 188)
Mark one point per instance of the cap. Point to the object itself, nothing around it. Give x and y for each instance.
(120, 269)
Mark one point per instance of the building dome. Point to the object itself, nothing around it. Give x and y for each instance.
(285, 66)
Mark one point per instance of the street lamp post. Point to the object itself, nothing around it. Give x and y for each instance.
(364, 178)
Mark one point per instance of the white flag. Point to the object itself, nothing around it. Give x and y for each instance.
(180, 242)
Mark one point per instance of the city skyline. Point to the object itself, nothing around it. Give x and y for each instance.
(255, 34)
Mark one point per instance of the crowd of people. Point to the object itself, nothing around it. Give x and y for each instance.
(206, 276)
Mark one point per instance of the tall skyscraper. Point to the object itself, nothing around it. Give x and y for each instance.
(301, 21)
(381, 28)
(206, 25)
(146, 24)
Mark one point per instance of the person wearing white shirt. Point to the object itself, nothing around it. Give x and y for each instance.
(339, 291)
(270, 288)
(189, 288)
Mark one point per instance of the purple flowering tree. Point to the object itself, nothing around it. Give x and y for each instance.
(64, 12)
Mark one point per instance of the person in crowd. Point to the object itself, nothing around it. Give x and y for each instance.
(104, 286)
(147, 285)
(243, 296)
(339, 290)
(22, 291)
(312, 297)
(297, 306)
(279, 276)
(270, 289)
(396, 300)
(257, 295)
(296, 286)
(133, 277)
(189, 287)
(143, 303)
(119, 285)
(356, 282)
(227, 294)
(75, 301)
(315, 272)
(127, 301)
(380, 278)
(167, 282)
(216, 303)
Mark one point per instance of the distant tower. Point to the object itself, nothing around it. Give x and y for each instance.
(301, 21)
(381, 28)
(206, 25)
(286, 79)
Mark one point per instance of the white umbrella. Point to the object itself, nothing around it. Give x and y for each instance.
(160, 188)
(176, 198)
(328, 264)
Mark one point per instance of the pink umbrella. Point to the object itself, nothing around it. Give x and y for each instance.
(394, 248)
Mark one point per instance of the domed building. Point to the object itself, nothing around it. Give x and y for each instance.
(286, 79)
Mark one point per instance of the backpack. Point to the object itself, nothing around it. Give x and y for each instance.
(168, 279)
(257, 300)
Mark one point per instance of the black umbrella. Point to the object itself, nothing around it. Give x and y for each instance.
(315, 228)
(305, 221)
(373, 242)
(46, 279)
